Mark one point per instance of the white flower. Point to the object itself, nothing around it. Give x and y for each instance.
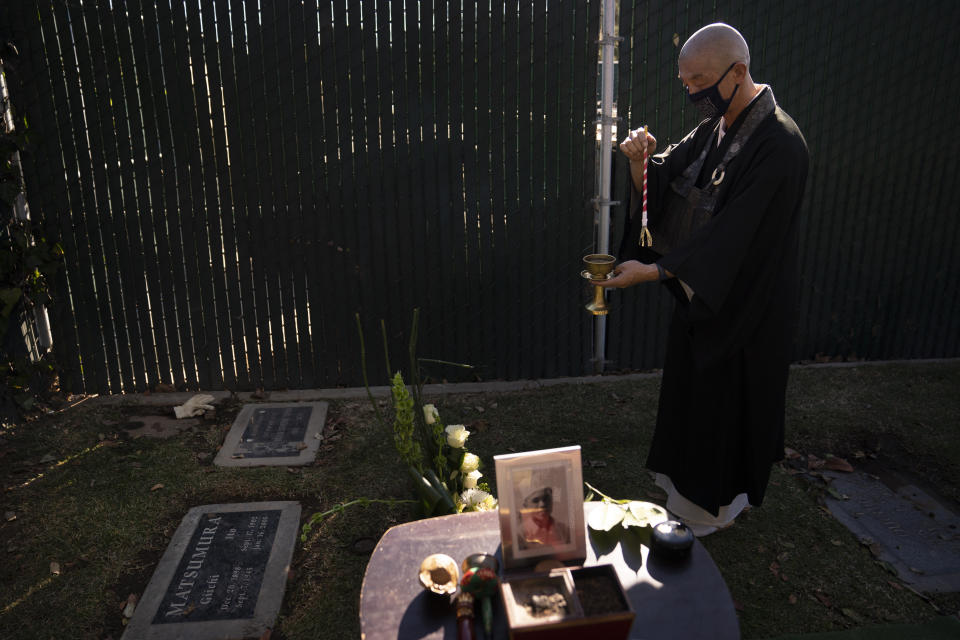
(430, 413)
(470, 479)
(471, 462)
(457, 435)
(477, 500)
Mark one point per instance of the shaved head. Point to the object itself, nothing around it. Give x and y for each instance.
(716, 45)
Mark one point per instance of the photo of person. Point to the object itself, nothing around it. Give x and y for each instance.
(540, 496)
(541, 506)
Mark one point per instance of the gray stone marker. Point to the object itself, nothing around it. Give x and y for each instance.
(915, 534)
(222, 576)
(281, 434)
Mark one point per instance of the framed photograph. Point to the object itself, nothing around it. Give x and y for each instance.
(541, 506)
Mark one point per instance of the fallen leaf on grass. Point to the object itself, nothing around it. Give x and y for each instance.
(775, 568)
(792, 599)
(895, 585)
(156, 486)
(47, 458)
(791, 454)
(813, 462)
(9, 516)
(836, 494)
(837, 464)
(853, 615)
(130, 605)
(55, 568)
(836, 543)
(301, 446)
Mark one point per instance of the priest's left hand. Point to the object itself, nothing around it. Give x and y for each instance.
(629, 273)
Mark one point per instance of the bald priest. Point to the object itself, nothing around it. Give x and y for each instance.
(723, 206)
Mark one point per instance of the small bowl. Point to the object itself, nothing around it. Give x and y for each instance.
(439, 574)
(599, 265)
(671, 539)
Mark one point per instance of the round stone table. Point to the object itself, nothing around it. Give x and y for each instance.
(686, 600)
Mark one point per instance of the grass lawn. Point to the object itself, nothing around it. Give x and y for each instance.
(82, 493)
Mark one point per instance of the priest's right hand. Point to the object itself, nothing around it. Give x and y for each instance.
(633, 145)
(629, 273)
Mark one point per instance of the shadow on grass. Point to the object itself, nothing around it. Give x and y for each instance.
(79, 492)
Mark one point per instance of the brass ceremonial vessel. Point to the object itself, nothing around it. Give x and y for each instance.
(599, 266)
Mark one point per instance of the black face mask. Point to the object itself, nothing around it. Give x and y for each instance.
(709, 101)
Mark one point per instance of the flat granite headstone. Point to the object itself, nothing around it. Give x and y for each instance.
(281, 434)
(222, 576)
(915, 534)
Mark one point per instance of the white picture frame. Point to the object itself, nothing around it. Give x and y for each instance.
(541, 506)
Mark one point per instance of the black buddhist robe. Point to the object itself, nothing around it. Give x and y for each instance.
(721, 413)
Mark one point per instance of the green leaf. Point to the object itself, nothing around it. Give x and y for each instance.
(644, 514)
(10, 295)
(606, 516)
(9, 298)
(836, 494)
(604, 541)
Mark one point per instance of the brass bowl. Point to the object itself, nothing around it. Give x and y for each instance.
(599, 265)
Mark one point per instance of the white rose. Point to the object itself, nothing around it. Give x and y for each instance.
(470, 463)
(457, 435)
(430, 413)
(476, 500)
(470, 479)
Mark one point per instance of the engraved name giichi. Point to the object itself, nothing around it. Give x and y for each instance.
(222, 568)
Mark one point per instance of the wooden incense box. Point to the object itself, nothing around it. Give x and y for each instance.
(567, 603)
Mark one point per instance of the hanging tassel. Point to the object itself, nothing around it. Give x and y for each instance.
(646, 239)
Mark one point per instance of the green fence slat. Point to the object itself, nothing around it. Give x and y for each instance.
(85, 120)
(147, 185)
(157, 48)
(126, 184)
(233, 180)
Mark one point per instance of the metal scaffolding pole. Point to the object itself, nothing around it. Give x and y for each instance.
(604, 159)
